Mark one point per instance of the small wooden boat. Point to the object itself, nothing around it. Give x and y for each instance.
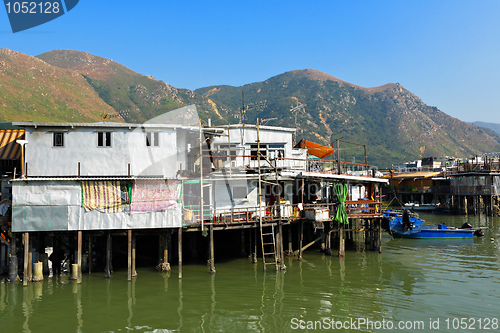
(421, 207)
(409, 226)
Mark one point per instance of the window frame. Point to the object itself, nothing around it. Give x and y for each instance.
(153, 140)
(54, 134)
(104, 139)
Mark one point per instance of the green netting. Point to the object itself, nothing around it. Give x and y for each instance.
(341, 191)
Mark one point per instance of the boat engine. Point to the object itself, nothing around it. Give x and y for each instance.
(479, 233)
(407, 225)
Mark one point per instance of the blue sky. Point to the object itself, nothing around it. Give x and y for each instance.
(445, 52)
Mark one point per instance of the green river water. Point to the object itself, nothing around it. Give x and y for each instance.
(412, 286)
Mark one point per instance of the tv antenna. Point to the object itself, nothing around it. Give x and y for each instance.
(265, 120)
(244, 108)
(296, 110)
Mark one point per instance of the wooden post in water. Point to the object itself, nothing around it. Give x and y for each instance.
(242, 241)
(90, 257)
(129, 255)
(107, 270)
(12, 277)
(328, 247)
(301, 238)
(79, 257)
(282, 259)
(134, 272)
(180, 251)
(379, 236)
(26, 250)
(290, 245)
(212, 255)
(30, 265)
(341, 240)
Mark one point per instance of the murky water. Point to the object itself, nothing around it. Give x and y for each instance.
(413, 283)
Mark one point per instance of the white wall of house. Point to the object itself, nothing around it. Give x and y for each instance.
(235, 194)
(128, 146)
(242, 139)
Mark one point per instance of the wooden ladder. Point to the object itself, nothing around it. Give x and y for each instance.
(268, 242)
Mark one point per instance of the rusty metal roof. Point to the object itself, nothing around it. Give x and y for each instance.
(9, 149)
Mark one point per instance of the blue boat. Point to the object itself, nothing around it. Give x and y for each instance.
(407, 225)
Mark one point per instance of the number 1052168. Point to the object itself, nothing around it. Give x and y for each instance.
(27, 7)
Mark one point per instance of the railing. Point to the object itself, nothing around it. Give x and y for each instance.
(272, 213)
(218, 162)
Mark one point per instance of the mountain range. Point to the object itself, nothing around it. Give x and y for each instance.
(394, 124)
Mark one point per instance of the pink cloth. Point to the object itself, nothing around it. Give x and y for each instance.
(154, 195)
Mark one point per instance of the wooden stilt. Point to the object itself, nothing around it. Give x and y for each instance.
(242, 243)
(212, 255)
(129, 255)
(282, 258)
(90, 257)
(134, 272)
(290, 245)
(254, 255)
(165, 250)
(26, 250)
(341, 241)
(79, 256)
(328, 246)
(180, 251)
(108, 255)
(30, 266)
(301, 238)
(379, 236)
(13, 259)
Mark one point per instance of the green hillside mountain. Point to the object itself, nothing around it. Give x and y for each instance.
(33, 90)
(394, 123)
(74, 86)
(136, 97)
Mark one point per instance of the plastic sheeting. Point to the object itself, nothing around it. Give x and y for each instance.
(154, 195)
(54, 206)
(104, 196)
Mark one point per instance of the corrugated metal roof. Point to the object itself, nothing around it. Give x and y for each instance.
(9, 149)
(420, 174)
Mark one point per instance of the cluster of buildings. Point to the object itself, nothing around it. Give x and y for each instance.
(463, 186)
(73, 187)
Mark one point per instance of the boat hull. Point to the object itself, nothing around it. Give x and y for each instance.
(433, 232)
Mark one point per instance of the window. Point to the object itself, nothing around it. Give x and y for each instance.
(103, 139)
(254, 149)
(276, 150)
(58, 139)
(152, 139)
